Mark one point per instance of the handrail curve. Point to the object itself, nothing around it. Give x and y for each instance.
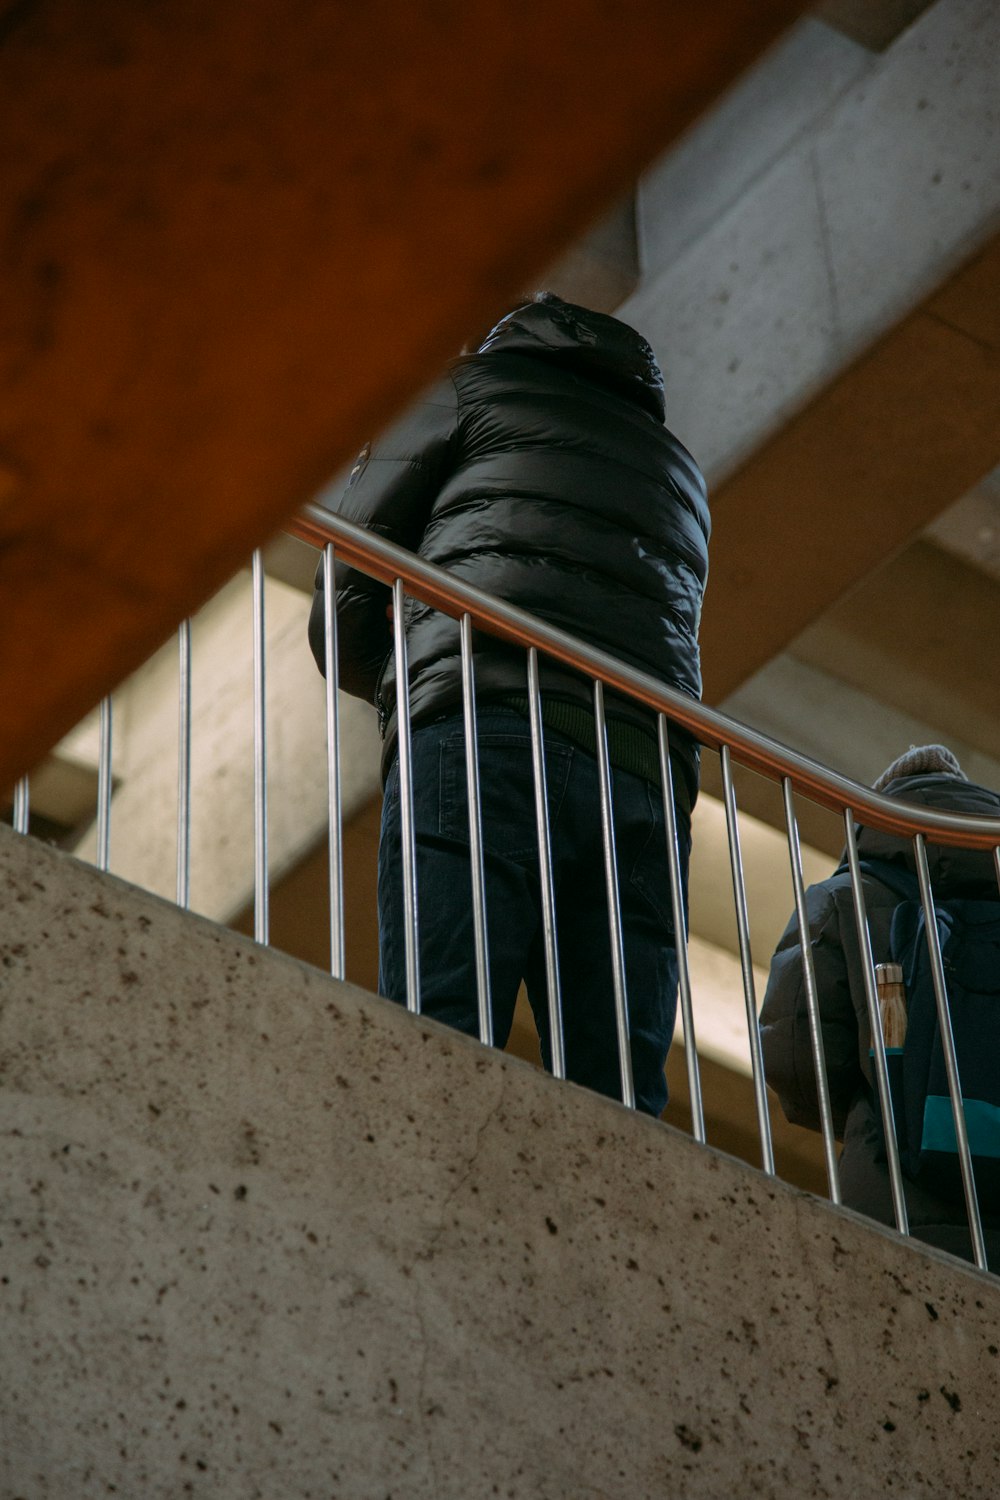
(434, 586)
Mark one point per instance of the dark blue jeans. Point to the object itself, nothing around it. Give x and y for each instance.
(513, 902)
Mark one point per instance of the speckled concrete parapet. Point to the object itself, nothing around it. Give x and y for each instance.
(266, 1236)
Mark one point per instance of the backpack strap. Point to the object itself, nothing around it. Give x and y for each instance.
(899, 880)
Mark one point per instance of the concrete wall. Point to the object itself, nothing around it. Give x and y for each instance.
(825, 196)
(143, 843)
(268, 1236)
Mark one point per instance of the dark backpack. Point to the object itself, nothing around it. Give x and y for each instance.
(969, 935)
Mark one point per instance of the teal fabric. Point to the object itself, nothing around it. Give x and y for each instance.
(982, 1121)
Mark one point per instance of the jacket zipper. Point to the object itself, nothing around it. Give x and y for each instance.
(383, 712)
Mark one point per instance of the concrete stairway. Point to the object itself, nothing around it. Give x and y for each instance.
(264, 1235)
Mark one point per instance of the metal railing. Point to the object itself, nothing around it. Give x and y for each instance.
(408, 575)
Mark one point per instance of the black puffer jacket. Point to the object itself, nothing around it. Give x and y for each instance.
(843, 1009)
(539, 470)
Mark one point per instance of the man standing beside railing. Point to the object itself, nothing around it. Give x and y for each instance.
(928, 775)
(540, 471)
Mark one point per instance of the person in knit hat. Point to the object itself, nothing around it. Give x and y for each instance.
(921, 760)
(928, 776)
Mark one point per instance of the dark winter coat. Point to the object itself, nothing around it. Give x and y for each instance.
(538, 470)
(843, 1009)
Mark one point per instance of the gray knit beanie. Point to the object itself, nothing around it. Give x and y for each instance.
(921, 760)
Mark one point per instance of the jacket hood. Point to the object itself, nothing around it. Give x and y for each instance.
(594, 345)
(950, 868)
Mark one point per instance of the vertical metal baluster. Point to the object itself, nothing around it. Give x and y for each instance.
(335, 830)
(261, 899)
(557, 1043)
(411, 930)
(614, 904)
(875, 1025)
(680, 933)
(948, 1048)
(104, 786)
(746, 962)
(476, 838)
(20, 816)
(184, 765)
(812, 1000)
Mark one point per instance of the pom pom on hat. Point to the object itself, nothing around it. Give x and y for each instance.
(921, 760)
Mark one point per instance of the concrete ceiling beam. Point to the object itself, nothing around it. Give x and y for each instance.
(859, 473)
(821, 261)
(970, 529)
(873, 23)
(237, 237)
(914, 633)
(824, 198)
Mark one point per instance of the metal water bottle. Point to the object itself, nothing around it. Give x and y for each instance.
(891, 1003)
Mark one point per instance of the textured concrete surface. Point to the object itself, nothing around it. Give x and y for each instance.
(828, 194)
(143, 842)
(873, 25)
(853, 477)
(266, 1236)
(820, 284)
(756, 122)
